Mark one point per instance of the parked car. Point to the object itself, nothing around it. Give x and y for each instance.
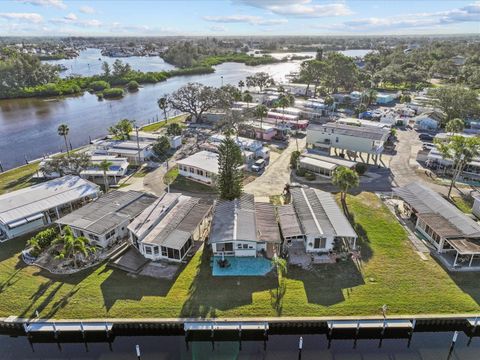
(259, 165)
(425, 137)
(428, 146)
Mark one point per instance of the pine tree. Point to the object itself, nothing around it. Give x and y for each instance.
(230, 177)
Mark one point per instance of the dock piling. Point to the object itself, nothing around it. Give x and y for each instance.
(454, 340)
(137, 350)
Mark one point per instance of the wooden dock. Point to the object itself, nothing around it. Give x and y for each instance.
(226, 326)
(370, 324)
(50, 327)
(474, 322)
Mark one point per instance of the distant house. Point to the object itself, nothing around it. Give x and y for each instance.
(135, 152)
(201, 166)
(104, 221)
(386, 98)
(322, 223)
(356, 139)
(258, 130)
(34, 207)
(243, 228)
(429, 120)
(447, 228)
(459, 60)
(116, 171)
(167, 228)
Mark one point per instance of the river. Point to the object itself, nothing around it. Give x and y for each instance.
(423, 346)
(28, 127)
(89, 62)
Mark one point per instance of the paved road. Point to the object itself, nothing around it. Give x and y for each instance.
(277, 174)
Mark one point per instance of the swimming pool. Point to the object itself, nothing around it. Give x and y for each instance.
(242, 266)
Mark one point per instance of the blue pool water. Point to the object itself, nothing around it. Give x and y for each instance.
(242, 266)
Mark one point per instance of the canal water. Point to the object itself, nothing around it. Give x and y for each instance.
(422, 346)
(28, 127)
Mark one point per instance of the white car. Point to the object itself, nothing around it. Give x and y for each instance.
(259, 165)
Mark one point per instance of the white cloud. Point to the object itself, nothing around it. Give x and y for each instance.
(27, 17)
(246, 19)
(71, 17)
(87, 10)
(74, 21)
(300, 8)
(217, 28)
(470, 13)
(53, 3)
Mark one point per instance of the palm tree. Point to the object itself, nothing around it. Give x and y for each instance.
(241, 85)
(104, 165)
(345, 179)
(163, 105)
(280, 266)
(260, 112)
(63, 131)
(72, 246)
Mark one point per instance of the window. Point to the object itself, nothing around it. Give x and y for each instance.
(148, 250)
(155, 250)
(164, 251)
(93, 237)
(239, 246)
(245, 246)
(320, 243)
(336, 139)
(110, 234)
(200, 172)
(192, 170)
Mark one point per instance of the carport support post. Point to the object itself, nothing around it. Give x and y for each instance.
(455, 262)
(368, 158)
(471, 260)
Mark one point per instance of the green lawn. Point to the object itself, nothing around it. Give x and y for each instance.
(391, 273)
(18, 178)
(182, 183)
(463, 203)
(157, 126)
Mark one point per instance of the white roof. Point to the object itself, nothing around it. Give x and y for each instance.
(317, 163)
(35, 199)
(205, 160)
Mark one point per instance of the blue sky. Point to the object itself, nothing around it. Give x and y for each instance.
(237, 17)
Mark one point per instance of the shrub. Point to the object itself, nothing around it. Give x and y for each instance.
(300, 172)
(100, 96)
(41, 241)
(99, 85)
(294, 159)
(132, 86)
(113, 93)
(310, 176)
(361, 168)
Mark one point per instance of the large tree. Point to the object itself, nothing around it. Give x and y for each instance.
(66, 165)
(455, 126)
(460, 150)
(230, 176)
(122, 129)
(194, 99)
(260, 80)
(163, 105)
(71, 246)
(345, 179)
(104, 165)
(340, 72)
(260, 112)
(161, 148)
(456, 101)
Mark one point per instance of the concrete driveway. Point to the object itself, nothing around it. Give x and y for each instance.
(277, 174)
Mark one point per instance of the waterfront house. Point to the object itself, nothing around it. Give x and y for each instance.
(27, 210)
(450, 231)
(104, 221)
(322, 222)
(167, 228)
(201, 166)
(237, 230)
(355, 139)
(136, 152)
(115, 172)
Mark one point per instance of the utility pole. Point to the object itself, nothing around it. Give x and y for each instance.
(221, 77)
(138, 144)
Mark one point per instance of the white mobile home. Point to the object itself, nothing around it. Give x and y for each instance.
(104, 221)
(201, 166)
(167, 228)
(32, 208)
